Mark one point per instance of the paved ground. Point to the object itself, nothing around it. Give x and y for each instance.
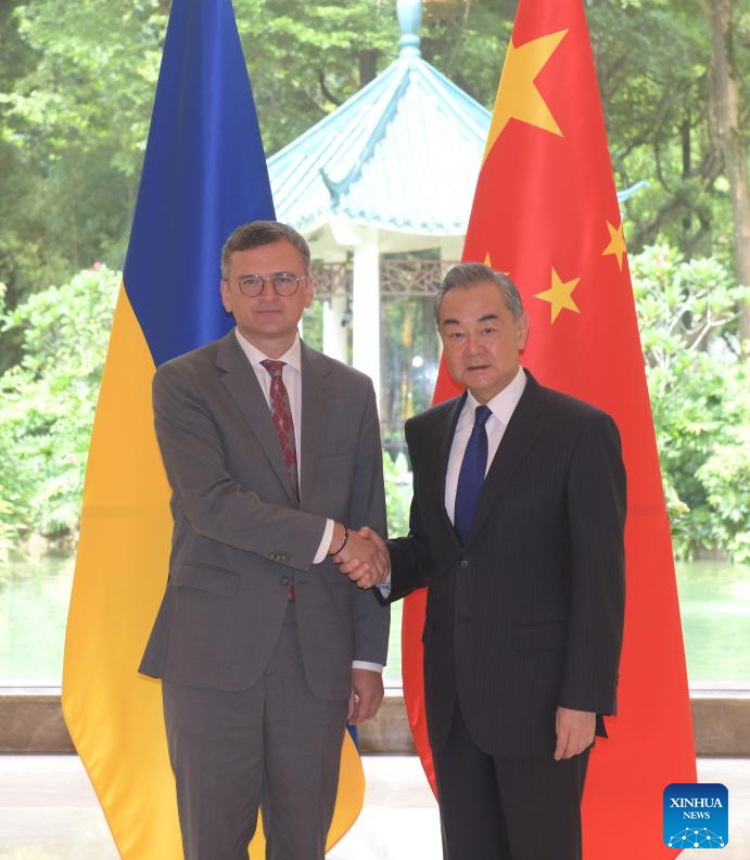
(48, 812)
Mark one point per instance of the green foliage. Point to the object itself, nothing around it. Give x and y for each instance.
(726, 476)
(687, 318)
(398, 490)
(77, 84)
(49, 398)
(657, 104)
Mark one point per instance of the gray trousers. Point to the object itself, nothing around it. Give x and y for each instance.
(275, 745)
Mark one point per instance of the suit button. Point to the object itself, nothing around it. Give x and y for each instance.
(285, 580)
(464, 563)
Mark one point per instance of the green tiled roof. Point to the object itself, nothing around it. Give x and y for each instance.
(403, 153)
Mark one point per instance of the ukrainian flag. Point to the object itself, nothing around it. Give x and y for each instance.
(204, 173)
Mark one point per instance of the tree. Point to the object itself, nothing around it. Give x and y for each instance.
(687, 313)
(77, 88)
(725, 123)
(49, 398)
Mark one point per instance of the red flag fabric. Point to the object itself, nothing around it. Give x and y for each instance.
(545, 212)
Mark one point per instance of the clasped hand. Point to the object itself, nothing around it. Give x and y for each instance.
(364, 559)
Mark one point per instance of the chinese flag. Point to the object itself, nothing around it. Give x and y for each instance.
(546, 213)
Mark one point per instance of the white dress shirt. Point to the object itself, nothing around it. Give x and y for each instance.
(291, 375)
(502, 406)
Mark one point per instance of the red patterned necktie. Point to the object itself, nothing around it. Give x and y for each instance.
(281, 412)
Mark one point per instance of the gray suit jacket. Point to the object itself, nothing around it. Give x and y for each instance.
(240, 538)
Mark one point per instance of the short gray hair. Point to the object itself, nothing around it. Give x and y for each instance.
(255, 234)
(468, 274)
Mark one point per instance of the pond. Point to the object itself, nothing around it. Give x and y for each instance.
(714, 600)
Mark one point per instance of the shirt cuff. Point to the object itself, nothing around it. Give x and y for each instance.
(325, 542)
(385, 586)
(363, 664)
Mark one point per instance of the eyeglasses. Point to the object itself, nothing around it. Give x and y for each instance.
(284, 283)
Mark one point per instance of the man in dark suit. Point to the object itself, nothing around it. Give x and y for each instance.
(517, 528)
(264, 649)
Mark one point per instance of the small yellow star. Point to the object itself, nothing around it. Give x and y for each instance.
(616, 243)
(488, 262)
(517, 96)
(559, 295)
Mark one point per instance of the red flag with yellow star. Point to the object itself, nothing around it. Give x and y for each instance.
(546, 213)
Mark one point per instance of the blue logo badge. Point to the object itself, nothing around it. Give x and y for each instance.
(696, 815)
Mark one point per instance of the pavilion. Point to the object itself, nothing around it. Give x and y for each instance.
(392, 170)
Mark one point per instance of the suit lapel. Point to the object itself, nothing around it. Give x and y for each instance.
(240, 380)
(519, 438)
(317, 402)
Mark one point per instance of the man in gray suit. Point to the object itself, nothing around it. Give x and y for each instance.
(264, 649)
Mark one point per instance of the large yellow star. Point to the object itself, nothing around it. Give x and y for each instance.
(560, 295)
(517, 97)
(616, 243)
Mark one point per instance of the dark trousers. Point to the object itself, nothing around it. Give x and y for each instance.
(507, 808)
(275, 745)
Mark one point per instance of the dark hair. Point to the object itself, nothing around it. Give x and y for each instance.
(255, 234)
(468, 274)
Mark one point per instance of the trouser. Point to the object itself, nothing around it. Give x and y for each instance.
(275, 745)
(505, 807)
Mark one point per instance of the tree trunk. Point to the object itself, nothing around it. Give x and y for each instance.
(685, 135)
(724, 118)
(368, 66)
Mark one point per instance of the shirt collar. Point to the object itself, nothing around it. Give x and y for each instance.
(503, 404)
(292, 357)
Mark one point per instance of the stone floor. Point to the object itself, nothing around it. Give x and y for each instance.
(48, 811)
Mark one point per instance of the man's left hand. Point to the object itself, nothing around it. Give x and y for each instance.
(575, 732)
(367, 694)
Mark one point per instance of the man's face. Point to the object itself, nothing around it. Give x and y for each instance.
(481, 340)
(268, 321)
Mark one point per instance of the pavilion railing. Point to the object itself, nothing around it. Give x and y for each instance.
(400, 276)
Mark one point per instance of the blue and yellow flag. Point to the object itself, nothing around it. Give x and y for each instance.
(204, 173)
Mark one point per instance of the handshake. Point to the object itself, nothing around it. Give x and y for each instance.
(361, 555)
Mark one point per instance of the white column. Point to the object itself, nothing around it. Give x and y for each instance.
(451, 249)
(334, 328)
(366, 310)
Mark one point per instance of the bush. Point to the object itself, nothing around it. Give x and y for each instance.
(398, 489)
(49, 399)
(726, 478)
(688, 323)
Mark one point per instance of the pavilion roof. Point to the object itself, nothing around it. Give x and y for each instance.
(403, 153)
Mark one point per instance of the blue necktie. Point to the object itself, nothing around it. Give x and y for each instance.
(471, 476)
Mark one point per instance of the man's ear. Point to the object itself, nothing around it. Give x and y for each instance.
(225, 295)
(523, 331)
(309, 290)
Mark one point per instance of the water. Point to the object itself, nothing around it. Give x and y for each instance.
(34, 598)
(715, 610)
(714, 600)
